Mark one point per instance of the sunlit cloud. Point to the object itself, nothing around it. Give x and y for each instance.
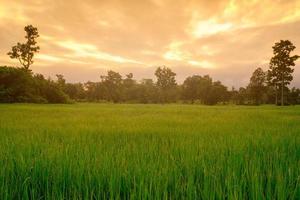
(6, 10)
(231, 8)
(209, 27)
(224, 38)
(49, 58)
(45, 37)
(294, 16)
(91, 51)
(202, 64)
(174, 52)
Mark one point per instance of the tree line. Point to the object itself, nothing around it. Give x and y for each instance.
(20, 84)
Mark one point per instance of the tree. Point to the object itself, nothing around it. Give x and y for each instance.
(217, 93)
(24, 52)
(204, 89)
(280, 72)
(17, 85)
(166, 84)
(257, 86)
(147, 91)
(191, 88)
(129, 88)
(90, 90)
(242, 96)
(196, 88)
(61, 81)
(294, 96)
(75, 91)
(112, 83)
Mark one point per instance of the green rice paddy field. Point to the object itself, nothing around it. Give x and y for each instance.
(107, 151)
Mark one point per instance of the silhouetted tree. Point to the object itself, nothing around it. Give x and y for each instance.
(61, 81)
(280, 72)
(294, 96)
(166, 84)
(257, 86)
(17, 85)
(270, 94)
(233, 95)
(147, 92)
(129, 88)
(217, 93)
(204, 89)
(112, 83)
(75, 91)
(24, 52)
(242, 96)
(90, 88)
(191, 88)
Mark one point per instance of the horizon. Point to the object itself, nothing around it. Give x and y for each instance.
(82, 40)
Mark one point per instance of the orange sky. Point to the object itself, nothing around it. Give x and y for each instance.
(227, 39)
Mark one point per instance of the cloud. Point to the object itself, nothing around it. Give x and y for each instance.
(80, 50)
(224, 38)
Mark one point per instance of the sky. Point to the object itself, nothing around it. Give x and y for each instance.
(227, 39)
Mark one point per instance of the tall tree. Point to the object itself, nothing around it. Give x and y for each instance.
(280, 72)
(24, 52)
(257, 86)
(166, 84)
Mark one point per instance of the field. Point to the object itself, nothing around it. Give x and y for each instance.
(106, 151)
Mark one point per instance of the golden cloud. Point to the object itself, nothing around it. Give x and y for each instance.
(217, 35)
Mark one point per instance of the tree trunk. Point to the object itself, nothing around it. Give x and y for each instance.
(282, 90)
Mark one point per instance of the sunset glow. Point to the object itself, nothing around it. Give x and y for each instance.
(226, 38)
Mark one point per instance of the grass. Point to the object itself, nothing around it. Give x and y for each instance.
(106, 151)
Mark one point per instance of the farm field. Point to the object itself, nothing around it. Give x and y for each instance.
(109, 151)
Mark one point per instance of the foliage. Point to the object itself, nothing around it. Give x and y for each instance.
(16, 85)
(166, 84)
(111, 85)
(294, 96)
(280, 72)
(20, 85)
(217, 93)
(24, 52)
(147, 91)
(257, 86)
(204, 89)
